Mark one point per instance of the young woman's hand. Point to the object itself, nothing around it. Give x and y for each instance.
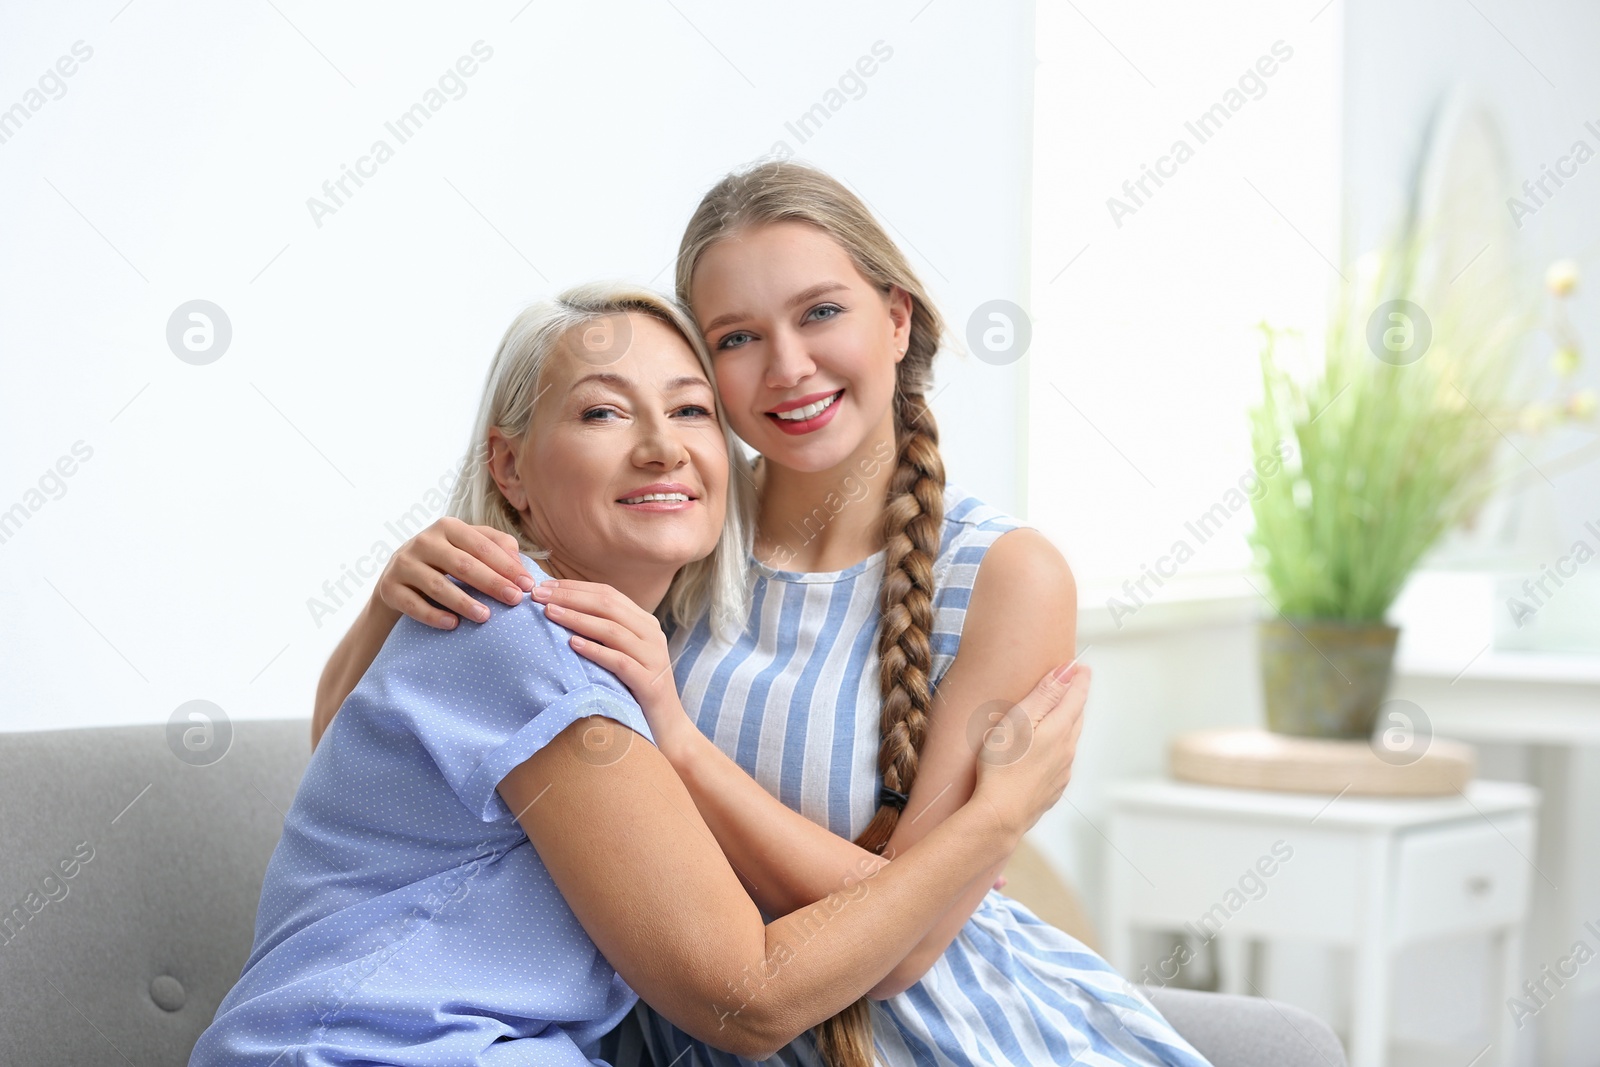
(480, 556)
(1025, 752)
(626, 640)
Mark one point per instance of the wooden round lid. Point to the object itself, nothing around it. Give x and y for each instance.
(1257, 759)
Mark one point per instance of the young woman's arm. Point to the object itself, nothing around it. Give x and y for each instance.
(631, 855)
(481, 556)
(1022, 613)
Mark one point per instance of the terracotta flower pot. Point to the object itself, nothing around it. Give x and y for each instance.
(1325, 677)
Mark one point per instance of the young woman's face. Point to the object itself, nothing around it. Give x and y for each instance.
(624, 460)
(803, 346)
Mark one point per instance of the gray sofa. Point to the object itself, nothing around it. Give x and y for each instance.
(130, 868)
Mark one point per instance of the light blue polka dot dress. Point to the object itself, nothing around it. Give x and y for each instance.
(405, 918)
(795, 702)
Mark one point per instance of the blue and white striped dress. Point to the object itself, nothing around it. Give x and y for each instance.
(795, 701)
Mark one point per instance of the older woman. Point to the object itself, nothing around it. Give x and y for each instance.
(485, 863)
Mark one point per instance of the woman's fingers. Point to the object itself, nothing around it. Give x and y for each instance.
(600, 629)
(593, 592)
(410, 603)
(464, 566)
(601, 600)
(620, 664)
(481, 556)
(573, 583)
(1064, 715)
(512, 550)
(1051, 691)
(596, 593)
(497, 551)
(416, 577)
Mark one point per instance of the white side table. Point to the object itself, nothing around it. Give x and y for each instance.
(1368, 873)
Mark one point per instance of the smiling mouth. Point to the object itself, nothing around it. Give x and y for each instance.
(809, 411)
(657, 498)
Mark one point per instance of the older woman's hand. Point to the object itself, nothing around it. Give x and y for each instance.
(481, 556)
(626, 640)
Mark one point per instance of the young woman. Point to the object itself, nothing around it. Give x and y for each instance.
(894, 621)
(484, 862)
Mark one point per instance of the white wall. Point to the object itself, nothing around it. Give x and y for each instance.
(1146, 301)
(177, 561)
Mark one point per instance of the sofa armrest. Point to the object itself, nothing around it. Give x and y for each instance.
(1235, 1031)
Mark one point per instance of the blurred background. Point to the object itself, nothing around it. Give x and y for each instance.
(243, 344)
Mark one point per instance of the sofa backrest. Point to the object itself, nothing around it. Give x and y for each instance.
(130, 870)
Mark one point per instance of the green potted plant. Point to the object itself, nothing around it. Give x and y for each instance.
(1397, 426)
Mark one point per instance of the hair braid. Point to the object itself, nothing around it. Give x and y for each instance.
(912, 522)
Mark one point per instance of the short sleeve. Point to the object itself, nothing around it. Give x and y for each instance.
(484, 697)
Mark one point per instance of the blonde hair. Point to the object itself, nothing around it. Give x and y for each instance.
(914, 509)
(717, 583)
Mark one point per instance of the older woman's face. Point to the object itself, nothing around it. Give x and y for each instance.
(624, 462)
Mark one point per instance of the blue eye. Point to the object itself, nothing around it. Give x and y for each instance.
(694, 411)
(592, 415)
(813, 314)
(728, 341)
